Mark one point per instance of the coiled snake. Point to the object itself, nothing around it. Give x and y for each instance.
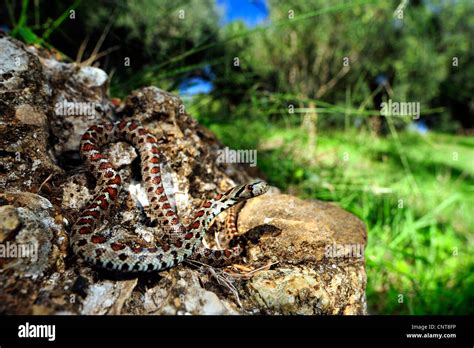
(133, 254)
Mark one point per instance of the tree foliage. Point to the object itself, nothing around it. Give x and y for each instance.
(347, 55)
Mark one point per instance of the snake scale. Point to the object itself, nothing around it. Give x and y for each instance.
(133, 254)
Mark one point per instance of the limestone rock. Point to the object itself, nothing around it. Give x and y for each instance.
(337, 288)
(28, 253)
(78, 99)
(25, 161)
(107, 297)
(319, 250)
(9, 221)
(179, 292)
(32, 243)
(307, 228)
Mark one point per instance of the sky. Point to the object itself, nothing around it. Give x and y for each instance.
(252, 12)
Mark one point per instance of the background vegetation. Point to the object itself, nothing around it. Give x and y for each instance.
(316, 121)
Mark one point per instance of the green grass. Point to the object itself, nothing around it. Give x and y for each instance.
(419, 215)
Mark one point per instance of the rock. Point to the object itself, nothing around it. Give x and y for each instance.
(32, 247)
(179, 292)
(28, 115)
(313, 291)
(107, 297)
(308, 227)
(25, 161)
(13, 64)
(304, 257)
(9, 221)
(28, 253)
(324, 280)
(78, 98)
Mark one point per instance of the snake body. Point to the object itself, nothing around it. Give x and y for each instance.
(133, 254)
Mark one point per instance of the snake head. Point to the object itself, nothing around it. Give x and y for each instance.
(256, 188)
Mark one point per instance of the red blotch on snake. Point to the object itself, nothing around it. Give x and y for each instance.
(98, 239)
(137, 248)
(90, 212)
(117, 180)
(103, 202)
(85, 230)
(112, 192)
(96, 157)
(86, 136)
(105, 165)
(88, 147)
(122, 124)
(117, 246)
(199, 214)
(85, 221)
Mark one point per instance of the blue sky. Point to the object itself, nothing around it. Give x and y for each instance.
(252, 12)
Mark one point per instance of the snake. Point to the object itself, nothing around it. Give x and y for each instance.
(117, 253)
